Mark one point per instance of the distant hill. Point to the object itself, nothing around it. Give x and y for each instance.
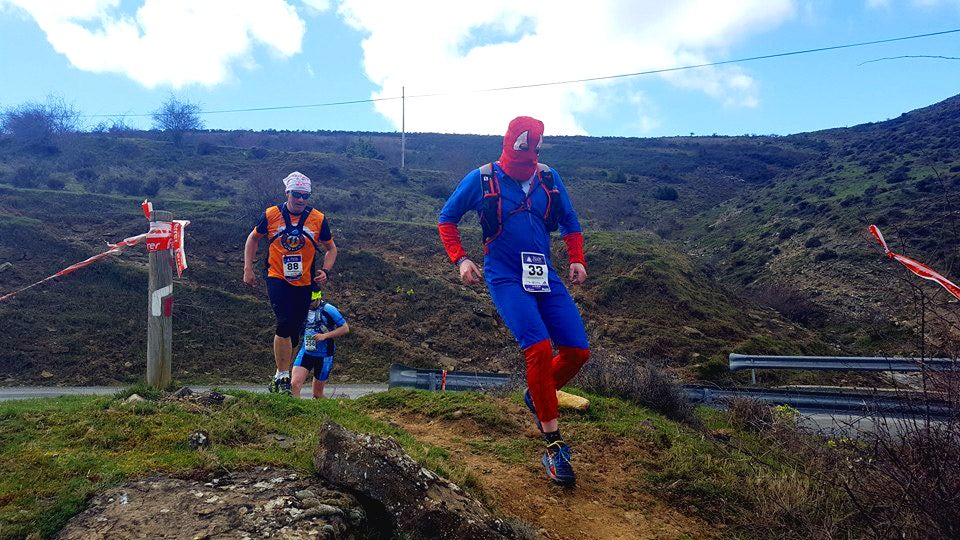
(806, 229)
(693, 244)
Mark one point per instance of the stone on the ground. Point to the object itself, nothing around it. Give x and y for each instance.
(420, 503)
(259, 503)
(570, 401)
(199, 439)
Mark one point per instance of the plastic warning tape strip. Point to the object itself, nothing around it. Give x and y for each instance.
(114, 248)
(916, 267)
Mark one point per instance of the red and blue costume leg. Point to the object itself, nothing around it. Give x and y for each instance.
(535, 319)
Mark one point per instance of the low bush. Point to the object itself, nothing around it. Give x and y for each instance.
(791, 303)
(639, 381)
(665, 193)
(825, 255)
(27, 177)
(750, 414)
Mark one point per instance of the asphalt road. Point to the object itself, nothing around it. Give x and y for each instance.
(26, 392)
(838, 423)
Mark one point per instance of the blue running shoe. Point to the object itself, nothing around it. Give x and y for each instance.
(284, 386)
(557, 462)
(280, 385)
(529, 401)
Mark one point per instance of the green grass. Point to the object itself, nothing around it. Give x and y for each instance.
(56, 453)
(445, 405)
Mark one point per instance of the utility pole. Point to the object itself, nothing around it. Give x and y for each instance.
(403, 126)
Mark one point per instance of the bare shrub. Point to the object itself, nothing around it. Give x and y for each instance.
(39, 125)
(791, 303)
(797, 505)
(29, 176)
(750, 414)
(905, 478)
(262, 189)
(639, 381)
(177, 116)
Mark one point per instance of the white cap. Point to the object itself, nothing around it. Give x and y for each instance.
(296, 181)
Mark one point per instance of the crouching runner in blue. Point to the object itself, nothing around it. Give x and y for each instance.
(520, 201)
(324, 323)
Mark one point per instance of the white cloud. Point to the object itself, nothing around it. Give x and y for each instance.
(646, 122)
(174, 42)
(438, 46)
(925, 4)
(317, 6)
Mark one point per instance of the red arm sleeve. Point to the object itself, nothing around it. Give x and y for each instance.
(574, 243)
(450, 236)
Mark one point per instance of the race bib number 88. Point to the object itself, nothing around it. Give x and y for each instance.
(535, 272)
(292, 266)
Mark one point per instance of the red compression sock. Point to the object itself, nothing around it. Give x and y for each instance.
(540, 379)
(567, 364)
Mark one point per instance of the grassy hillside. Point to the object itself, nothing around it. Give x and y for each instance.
(806, 230)
(696, 246)
(394, 284)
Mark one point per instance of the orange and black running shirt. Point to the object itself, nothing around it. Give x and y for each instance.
(293, 240)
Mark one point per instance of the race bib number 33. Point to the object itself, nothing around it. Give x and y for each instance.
(535, 274)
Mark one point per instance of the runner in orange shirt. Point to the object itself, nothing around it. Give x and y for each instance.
(294, 232)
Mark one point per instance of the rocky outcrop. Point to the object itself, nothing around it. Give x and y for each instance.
(259, 503)
(419, 503)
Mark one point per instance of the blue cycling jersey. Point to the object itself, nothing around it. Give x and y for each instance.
(319, 321)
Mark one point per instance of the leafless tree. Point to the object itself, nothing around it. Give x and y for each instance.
(176, 116)
(39, 125)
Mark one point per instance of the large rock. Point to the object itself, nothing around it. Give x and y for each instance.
(259, 503)
(419, 503)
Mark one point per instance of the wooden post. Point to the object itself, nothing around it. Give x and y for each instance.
(160, 308)
(403, 128)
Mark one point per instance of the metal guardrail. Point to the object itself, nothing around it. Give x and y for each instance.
(834, 363)
(836, 401)
(433, 379)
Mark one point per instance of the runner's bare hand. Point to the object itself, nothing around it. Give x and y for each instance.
(469, 273)
(578, 274)
(248, 277)
(320, 278)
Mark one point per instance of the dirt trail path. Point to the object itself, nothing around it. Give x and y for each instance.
(606, 504)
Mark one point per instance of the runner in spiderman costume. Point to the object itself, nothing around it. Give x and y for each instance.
(520, 202)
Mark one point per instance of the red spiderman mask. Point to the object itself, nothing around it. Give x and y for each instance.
(521, 145)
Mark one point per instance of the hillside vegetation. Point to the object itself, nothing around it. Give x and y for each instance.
(696, 246)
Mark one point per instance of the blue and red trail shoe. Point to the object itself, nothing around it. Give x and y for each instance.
(556, 460)
(529, 401)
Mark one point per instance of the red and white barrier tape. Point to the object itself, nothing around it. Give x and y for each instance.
(164, 235)
(916, 267)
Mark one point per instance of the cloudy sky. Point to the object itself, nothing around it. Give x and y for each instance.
(123, 58)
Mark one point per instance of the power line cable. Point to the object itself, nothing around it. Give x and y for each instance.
(697, 66)
(934, 56)
(557, 83)
(254, 109)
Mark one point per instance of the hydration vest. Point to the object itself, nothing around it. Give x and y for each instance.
(491, 210)
(294, 230)
(322, 321)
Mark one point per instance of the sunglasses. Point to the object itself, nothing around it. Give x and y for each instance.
(296, 195)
